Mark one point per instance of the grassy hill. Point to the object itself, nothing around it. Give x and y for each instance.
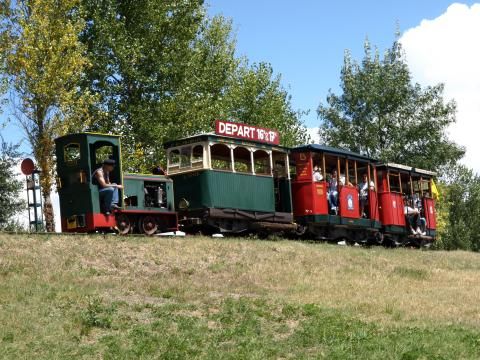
(129, 298)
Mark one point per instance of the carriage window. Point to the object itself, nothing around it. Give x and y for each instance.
(395, 183)
(185, 157)
(71, 154)
(352, 179)
(102, 153)
(174, 158)
(197, 156)
(261, 160)
(279, 162)
(242, 160)
(220, 156)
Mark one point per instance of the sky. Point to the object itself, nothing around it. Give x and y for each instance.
(305, 41)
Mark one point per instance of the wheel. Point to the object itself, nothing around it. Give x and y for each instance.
(300, 230)
(348, 241)
(148, 225)
(124, 225)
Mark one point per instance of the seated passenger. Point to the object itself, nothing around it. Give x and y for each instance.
(363, 188)
(108, 191)
(413, 219)
(422, 222)
(333, 192)
(317, 173)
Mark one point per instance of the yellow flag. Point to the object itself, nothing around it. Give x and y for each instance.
(435, 193)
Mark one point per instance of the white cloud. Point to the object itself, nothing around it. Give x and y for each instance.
(447, 49)
(313, 133)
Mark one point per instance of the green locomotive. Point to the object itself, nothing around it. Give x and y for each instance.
(146, 201)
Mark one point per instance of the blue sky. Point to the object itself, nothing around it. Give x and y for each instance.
(304, 40)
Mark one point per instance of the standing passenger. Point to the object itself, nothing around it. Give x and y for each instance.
(363, 193)
(317, 173)
(333, 192)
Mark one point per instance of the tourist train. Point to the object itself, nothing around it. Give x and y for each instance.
(240, 180)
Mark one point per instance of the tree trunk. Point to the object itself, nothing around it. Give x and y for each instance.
(44, 155)
(48, 212)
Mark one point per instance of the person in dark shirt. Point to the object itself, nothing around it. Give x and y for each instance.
(108, 191)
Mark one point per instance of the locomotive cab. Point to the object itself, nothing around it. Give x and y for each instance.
(146, 201)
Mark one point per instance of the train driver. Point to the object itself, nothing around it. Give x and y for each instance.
(108, 191)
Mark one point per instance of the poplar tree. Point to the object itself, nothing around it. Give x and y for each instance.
(44, 62)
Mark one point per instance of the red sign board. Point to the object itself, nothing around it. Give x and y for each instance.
(27, 166)
(247, 132)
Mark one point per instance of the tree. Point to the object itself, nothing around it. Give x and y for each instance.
(147, 60)
(165, 70)
(44, 62)
(257, 97)
(461, 204)
(383, 114)
(10, 186)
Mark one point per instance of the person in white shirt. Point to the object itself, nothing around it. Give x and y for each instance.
(412, 215)
(363, 187)
(317, 173)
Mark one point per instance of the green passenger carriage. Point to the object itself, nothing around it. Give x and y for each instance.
(225, 184)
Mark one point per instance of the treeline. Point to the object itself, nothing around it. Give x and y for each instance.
(148, 70)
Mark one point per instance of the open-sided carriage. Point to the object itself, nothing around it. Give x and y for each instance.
(231, 184)
(350, 217)
(404, 188)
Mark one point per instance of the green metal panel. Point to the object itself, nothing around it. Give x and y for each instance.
(134, 187)
(135, 184)
(222, 189)
(285, 190)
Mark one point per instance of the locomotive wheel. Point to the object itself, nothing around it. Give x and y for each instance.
(124, 225)
(148, 225)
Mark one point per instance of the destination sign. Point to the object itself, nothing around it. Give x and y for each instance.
(248, 132)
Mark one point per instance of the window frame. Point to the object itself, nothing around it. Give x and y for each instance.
(75, 161)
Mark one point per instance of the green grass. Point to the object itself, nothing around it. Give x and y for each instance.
(142, 298)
